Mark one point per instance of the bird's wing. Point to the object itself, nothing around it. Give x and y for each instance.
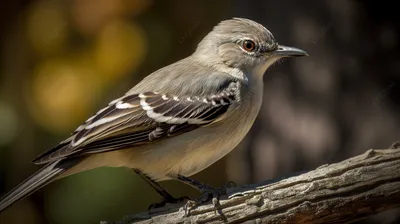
(142, 118)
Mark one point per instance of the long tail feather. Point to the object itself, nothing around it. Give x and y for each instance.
(36, 181)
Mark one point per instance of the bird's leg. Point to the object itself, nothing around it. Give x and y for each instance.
(208, 192)
(203, 188)
(167, 197)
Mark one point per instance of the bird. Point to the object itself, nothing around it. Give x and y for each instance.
(176, 121)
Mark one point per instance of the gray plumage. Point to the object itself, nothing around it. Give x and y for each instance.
(178, 120)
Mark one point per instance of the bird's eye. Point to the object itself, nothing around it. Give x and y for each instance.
(248, 45)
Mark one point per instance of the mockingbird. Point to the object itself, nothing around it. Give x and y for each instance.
(178, 120)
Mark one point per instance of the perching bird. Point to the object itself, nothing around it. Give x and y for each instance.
(178, 120)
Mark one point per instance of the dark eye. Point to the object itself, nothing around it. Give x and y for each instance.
(248, 45)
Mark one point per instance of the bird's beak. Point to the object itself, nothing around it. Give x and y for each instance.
(284, 51)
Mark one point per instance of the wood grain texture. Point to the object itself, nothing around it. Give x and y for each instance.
(343, 192)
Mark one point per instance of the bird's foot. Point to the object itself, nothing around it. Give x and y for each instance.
(212, 194)
(168, 200)
(208, 194)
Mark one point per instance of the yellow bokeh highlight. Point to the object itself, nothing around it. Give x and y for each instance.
(119, 49)
(61, 95)
(47, 27)
(91, 15)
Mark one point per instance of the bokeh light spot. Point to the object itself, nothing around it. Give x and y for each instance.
(120, 48)
(60, 95)
(47, 27)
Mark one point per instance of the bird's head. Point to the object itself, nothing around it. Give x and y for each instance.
(244, 44)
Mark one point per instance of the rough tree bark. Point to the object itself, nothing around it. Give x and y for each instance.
(337, 193)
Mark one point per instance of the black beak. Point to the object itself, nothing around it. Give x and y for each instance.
(284, 51)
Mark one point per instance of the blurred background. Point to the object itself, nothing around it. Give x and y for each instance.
(61, 61)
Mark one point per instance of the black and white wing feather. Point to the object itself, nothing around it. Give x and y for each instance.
(142, 118)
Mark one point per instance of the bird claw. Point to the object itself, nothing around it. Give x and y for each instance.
(208, 194)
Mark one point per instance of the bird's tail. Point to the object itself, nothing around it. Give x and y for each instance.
(36, 181)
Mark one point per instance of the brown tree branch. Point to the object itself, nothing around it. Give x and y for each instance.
(337, 193)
